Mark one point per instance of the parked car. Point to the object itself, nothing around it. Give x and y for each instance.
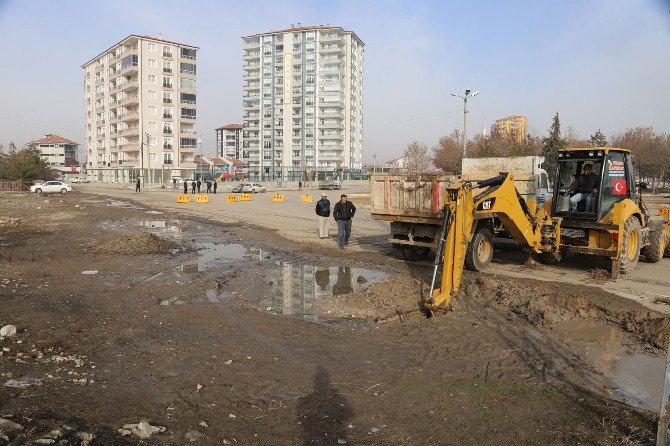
(51, 187)
(253, 187)
(79, 180)
(238, 188)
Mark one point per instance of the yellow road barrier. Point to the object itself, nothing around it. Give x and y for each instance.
(245, 197)
(230, 198)
(183, 198)
(202, 198)
(306, 198)
(278, 197)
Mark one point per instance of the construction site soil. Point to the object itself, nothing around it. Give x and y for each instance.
(231, 334)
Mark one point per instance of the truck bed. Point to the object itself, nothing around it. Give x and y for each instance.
(414, 198)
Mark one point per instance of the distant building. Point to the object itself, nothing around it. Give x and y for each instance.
(393, 165)
(302, 102)
(229, 140)
(140, 99)
(211, 166)
(511, 127)
(59, 152)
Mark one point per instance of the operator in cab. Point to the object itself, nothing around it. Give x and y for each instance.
(585, 188)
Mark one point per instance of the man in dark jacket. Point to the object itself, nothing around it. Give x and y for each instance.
(193, 186)
(137, 185)
(185, 187)
(215, 181)
(199, 184)
(343, 212)
(323, 211)
(586, 188)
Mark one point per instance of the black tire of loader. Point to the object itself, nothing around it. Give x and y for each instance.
(626, 263)
(473, 256)
(653, 252)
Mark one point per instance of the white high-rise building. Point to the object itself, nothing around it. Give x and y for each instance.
(302, 102)
(140, 101)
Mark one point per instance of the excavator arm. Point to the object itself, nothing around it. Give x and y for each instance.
(462, 212)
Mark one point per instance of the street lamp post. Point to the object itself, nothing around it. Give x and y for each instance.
(374, 163)
(465, 97)
(198, 166)
(148, 136)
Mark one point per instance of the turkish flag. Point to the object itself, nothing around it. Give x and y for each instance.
(619, 187)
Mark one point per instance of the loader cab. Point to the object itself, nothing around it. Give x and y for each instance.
(590, 181)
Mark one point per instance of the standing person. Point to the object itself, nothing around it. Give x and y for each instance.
(343, 212)
(209, 186)
(199, 184)
(299, 185)
(137, 185)
(193, 186)
(215, 186)
(174, 184)
(185, 187)
(323, 211)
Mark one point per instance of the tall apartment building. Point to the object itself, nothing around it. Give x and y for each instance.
(59, 152)
(302, 102)
(229, 141)
(512, 127)
(140, 100)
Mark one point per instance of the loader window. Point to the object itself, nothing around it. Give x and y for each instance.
(577, 180)
(616, 185)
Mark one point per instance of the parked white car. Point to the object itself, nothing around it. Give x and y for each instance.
(51, 187)
(253, 187)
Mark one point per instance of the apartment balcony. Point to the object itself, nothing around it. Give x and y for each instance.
(337, 49)
(168, 55)
(167, 70)
(324, 104)
(331, 158)
(251, 66)
(99, 94)
(252, 75)
(133, 131)
(330, 38)
(251, 106)
(168, 116)
(167, 131)
(134, 116)
(167, 101)
(252, 87)
(251, 45)
(130, 100)
(188, 104)
(167, 85)
(327, 112)
(331, 125)
(130, 85)
(187, 149)
(130, 69)
(115, 119)
(251, 55)
(187, 133)
(332, 136)
(114, 134)
(188, 119)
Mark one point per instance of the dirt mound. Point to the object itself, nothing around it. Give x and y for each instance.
(600, 274)
(134, 243)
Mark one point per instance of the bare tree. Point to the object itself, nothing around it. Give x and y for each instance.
(651, 152)
(448, 152)
(416, 158)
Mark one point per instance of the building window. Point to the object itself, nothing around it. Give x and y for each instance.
(188, 113)
(153, 156)
(188, 53)
(167, 127)
(151, 46)
(152, 109)
(152, 78)
(187, 68)
(153, 125)
(153, 94)
(187, 98)
(152, 63)
(187, 83)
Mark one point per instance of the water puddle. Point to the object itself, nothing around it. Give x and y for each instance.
(634, 378)
(295, 288)
(281, 287)
(162, 226)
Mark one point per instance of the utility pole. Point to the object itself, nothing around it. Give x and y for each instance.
(148, 136)
(374, 163)
(465, 116)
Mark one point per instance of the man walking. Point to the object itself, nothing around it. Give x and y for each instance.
(185, 187)
(199, 184)
(323, 211)
(209, 186)
(193, 186)
(299, 185)
(343, 212)
(137, 185)
(215, 186)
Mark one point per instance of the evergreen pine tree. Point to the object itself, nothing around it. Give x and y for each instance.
(598, 140)
(551, 145)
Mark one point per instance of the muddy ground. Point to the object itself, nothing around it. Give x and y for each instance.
(231, 334)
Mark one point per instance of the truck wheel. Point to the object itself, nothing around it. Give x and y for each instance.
(654, 251)
(480, 251)
(630, 248)
(414, 253)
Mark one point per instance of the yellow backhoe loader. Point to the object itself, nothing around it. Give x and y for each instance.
(596, 209)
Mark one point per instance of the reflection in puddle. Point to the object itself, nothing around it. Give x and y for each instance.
(215, 255)
(296, 286)
(162, 225)
(293, 287)
(636, 379)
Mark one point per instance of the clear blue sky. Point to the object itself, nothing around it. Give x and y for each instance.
(601, 64)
